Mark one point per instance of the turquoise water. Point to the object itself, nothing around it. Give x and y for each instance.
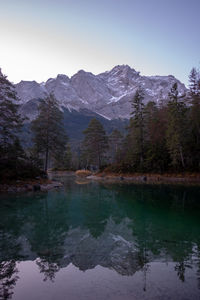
(91, 240)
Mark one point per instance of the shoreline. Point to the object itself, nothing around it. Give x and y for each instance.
(187, 178)
(20, 186)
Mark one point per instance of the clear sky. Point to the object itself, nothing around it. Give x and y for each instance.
(42, 38)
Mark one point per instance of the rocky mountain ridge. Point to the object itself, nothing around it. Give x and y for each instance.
(108, 94)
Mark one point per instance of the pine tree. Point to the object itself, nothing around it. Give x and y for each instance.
(115, 146)
(67, 158)
(49, 136)
(194, 118)
(12, 155)
(10, 119)
(63, 159)
(156, 158)
(95, 143)
(194, 82)
(136, 130)
(176, 128)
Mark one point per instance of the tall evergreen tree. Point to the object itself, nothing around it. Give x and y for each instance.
(95, 143)
(12, 156)
(10, 119)
(115, 146)
(176, 128)
(194, 82)
(49, 136)
(136, 130)
(194, 118)
(63, 159)
(156, 158)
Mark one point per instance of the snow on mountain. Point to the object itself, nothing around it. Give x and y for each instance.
(28, 90)
(107, 94)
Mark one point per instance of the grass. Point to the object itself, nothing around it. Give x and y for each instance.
(83, 173)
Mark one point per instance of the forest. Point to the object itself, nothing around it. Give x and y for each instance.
(160, 137)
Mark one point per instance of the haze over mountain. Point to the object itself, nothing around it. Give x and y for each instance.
(107, 94)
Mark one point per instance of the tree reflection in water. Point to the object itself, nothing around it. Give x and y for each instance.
(8, 278)
(123, 228)
(49, 269)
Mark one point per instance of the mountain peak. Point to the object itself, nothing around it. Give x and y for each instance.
(82, 73)
(107, 94)
(62, 77)
(122, 67)
(28, 83)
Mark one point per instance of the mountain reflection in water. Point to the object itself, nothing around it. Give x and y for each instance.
(129, 229)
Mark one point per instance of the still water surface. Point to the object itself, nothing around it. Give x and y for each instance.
(99, 241)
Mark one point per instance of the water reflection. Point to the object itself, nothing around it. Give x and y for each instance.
(8, 278)
(48, 268)
(119, 227)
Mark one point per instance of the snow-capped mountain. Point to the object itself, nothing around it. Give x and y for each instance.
(107, 94)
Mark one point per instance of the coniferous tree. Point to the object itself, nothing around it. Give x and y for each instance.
(12, 155)
(155, 128)
(115, 146)
(68, 158)
(49, 136)
(63, 159)
(194, 119)
(95, 144)
(10, 119)
(136, 131)
(194, 82)
(176, 128)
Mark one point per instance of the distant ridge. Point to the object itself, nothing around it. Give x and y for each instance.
(107, 94)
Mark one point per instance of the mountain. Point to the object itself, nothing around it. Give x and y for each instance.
(75, 122)
(107, 94)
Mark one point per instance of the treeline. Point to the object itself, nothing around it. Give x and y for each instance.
(14, 161)
(161, 137)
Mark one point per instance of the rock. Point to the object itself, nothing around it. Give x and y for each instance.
(12, 189)
(94, 177)
(46, 187)
(28, 187)
(21, 189)
(144, 178)
(44, 176)
(36, 187)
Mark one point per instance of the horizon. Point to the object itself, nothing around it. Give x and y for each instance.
(41, 39)
(40, 82)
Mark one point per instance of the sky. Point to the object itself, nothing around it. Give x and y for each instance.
(42, 38)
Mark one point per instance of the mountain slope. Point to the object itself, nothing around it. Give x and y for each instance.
(107, 94)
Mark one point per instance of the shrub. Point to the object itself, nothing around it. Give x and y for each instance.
(83, 173)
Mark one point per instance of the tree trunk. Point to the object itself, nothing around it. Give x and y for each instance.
(182, 159)
(99, 159)
(46, 159)
(141, 144)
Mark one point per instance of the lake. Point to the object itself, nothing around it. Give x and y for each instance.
(95, 241)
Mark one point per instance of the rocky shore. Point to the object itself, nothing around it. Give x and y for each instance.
(148, 178)
(28, 186)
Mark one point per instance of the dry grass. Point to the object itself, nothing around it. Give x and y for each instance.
(153, 178)
(83, 173)
(189, 175)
